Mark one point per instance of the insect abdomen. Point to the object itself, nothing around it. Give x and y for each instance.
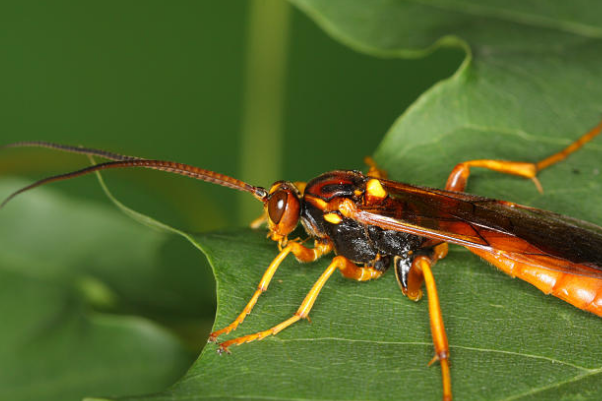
(579, 290)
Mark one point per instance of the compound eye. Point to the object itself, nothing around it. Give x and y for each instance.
(277, 206)
(283, 209)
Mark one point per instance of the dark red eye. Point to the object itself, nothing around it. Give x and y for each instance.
(283, 209)
(277, 206)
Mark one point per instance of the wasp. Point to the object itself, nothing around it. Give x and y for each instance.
(372, 224)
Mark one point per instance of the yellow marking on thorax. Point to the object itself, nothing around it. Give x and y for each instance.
(317, 202)
(333, 218)
(375, 189)
(300, 185)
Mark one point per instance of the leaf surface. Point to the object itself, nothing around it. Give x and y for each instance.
(58, 284)
(529, 86)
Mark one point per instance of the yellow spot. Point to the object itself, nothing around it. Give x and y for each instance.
(375, 189)
(300, 185)
(333, 218)
(317, 202)
(275, 187)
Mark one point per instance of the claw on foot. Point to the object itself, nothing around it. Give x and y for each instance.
(213, 336)
(221, 350)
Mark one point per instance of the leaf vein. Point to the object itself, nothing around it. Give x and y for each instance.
(554, 385)
(530, 356)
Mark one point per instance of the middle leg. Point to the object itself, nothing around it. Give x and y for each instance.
(423, 264)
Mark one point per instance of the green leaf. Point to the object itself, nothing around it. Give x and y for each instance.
(63, 266)
(529, 86)
(366, 341)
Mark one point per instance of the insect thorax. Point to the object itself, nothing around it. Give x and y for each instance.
(362, 244)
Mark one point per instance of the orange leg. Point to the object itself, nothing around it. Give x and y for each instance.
(415, 277)
(258, 222)
(415, 281)
(302, 253)
(347, 268)
(353, 272)
(423, 264)
(459, 175)
(373, 170)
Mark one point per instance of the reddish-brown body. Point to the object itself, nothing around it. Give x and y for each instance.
(559, 255)
(371, 223)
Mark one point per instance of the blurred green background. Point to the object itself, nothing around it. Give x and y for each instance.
(167, 80)
(195, 82)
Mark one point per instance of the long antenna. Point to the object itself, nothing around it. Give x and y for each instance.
(130, 161)
(71, 149)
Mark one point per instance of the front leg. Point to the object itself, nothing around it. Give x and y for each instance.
(347, 268)
(301, 252)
